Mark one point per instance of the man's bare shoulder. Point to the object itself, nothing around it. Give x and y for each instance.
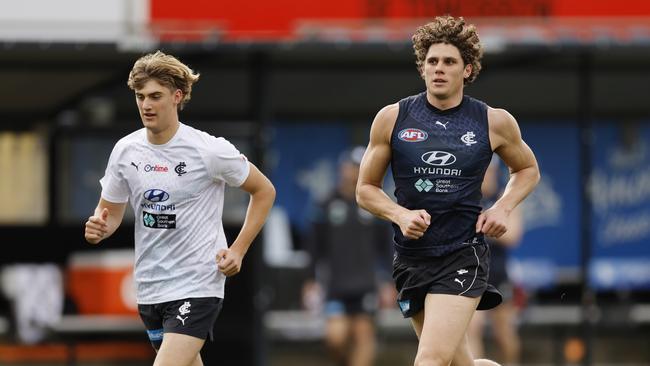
(389, 112)
(502, 123)
(500, 118)
(385, 121)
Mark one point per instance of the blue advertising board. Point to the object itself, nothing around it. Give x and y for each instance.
(550, 250)
(620, 195)
(303, 162)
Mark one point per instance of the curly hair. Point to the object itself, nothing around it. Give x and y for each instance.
(165, 69)
(454, 31)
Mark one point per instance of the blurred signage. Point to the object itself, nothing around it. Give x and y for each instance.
(382, 19)
(304, 166)
(620, 195)
(550, 250)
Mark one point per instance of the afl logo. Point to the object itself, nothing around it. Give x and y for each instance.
(412, 135)
(438, 158)
(156, 195)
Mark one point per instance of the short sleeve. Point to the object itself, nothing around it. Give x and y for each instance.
(114, 187)
(226, 163)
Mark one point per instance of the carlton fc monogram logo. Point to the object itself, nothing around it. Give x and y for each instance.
(184, 309)
(468, 138)
(180, 168)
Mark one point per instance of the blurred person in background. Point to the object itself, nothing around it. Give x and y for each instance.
(350, 254)
(174, 176)
(439, 144)
(504, 317)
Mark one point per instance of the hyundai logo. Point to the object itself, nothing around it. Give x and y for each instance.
(156, 195)
(438, 158)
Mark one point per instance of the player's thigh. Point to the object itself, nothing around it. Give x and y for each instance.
(363, 327)
(463, 355)
(443, 324)
(505, 314)
(178, 350)
(337, 329)
(476, 325)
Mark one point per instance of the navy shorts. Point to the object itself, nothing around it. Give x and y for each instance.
(463, 272)
(366, 303)
(192, 316)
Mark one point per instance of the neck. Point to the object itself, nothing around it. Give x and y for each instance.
(163, 136)
(443, 103)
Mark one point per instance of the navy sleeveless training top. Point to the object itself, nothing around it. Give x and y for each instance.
(438, 162)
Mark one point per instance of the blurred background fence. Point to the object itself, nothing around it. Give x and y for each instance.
(292, 84)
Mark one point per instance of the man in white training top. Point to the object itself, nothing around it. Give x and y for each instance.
(174, 177)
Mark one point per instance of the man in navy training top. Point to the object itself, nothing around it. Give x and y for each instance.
(439, 144)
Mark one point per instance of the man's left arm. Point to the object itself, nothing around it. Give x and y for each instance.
(262, 195)
(506, 141)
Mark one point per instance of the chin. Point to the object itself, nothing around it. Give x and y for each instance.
(149, 124)
(439, 94)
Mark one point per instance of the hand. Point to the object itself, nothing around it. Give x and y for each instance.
(414, 223)
(229, 261)
(96, 227)
(492, 222)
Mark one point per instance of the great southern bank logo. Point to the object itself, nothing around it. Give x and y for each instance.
(156, 195)
(438, 158)
(412, 135)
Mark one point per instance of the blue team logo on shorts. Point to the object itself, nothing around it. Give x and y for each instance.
(155, 335)
(404, 305)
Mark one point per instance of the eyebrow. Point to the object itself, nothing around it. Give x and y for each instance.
(150, 94)
(443, 57)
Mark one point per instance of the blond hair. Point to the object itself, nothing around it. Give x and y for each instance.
(454, 31)
(165, 69)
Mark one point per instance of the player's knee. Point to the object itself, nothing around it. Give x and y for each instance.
(485, 362)
(431, 359)
(334, 342)
(335, 338)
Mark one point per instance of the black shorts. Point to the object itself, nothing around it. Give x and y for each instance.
(463, 272)
(193, 316)
(366, 303)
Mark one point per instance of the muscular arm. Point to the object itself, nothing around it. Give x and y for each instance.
(103, 223)
(524, 173)
(369, 192)
(262, 196)
(508, 144)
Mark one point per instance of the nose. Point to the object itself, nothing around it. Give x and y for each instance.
(145, 104)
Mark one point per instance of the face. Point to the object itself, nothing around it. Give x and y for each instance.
(157, 105)
(444, 71)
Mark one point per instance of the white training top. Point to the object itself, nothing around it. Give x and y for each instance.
(176, 191)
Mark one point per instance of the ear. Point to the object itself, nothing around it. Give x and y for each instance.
(468, 71)
(178, 96)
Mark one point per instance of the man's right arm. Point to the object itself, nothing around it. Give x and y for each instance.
(370, 194)
(103, 223)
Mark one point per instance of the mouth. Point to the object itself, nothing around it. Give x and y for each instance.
(439, 81)
(148, 115)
